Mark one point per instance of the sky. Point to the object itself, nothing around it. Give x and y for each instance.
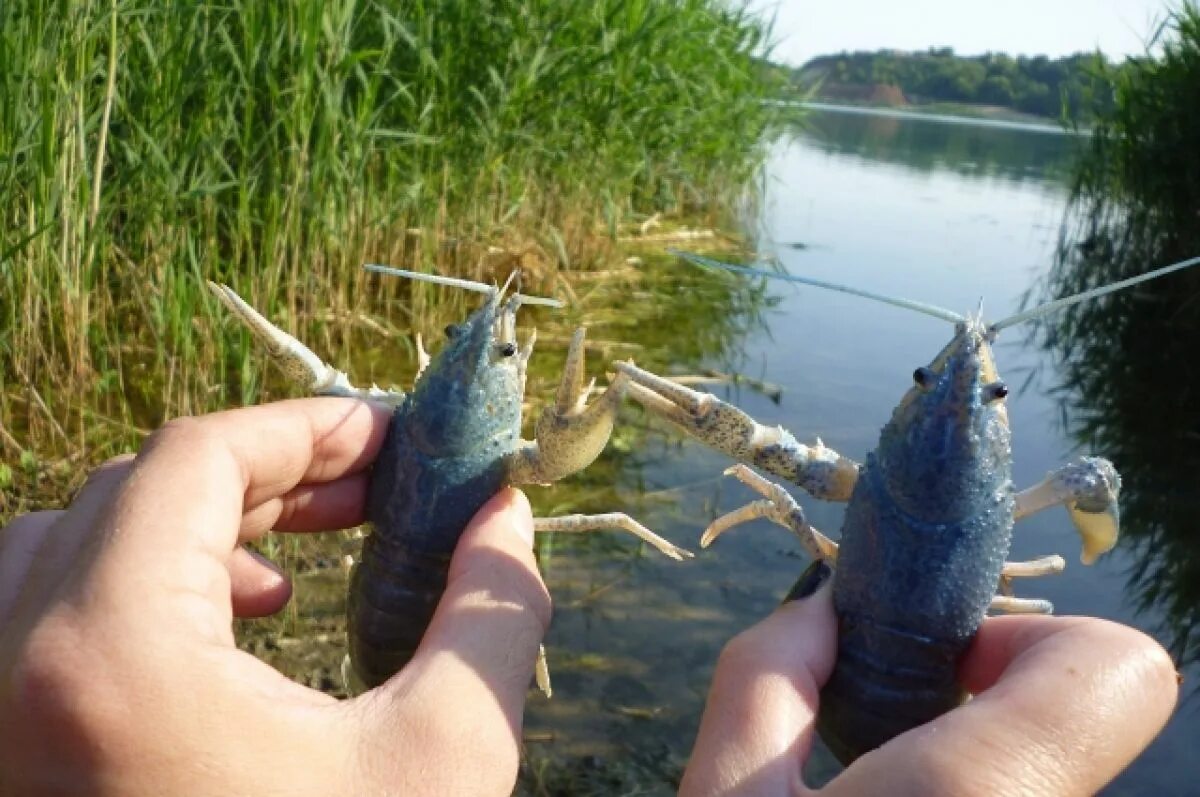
(806, 28)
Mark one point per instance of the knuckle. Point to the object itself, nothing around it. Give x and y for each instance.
(742, 650)
(174, 432)
(112, 463)
(194, 435)
(181, 431)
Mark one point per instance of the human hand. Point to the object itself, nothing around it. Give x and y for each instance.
(1062, 704)
(118, 670)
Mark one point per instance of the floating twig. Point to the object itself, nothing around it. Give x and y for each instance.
(667, 237)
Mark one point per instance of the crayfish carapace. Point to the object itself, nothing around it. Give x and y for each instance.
(452, 444)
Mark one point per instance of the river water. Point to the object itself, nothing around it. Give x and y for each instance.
(944, 212)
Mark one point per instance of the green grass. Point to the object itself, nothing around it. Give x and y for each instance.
(146, 146)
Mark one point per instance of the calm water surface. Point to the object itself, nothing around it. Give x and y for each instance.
(944, 213)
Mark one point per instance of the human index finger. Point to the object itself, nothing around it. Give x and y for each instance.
(195, 477)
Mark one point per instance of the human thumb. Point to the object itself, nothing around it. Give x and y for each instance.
(464, 690)
(757, 728)
(495, 610)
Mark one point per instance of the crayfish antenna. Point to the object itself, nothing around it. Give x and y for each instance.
(1094, 293)
(896, 301)
(457, 282)
(437, 279)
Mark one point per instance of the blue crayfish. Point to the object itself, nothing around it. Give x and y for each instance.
(927, 527)
(452, 444)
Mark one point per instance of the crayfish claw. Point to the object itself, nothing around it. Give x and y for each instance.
(570, 434)
(1099, 530)
(752, 511)
(1089, 487)
(694, 403)
(571, 394)
(821, 471)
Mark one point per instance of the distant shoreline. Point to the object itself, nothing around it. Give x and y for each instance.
(992, 85)
(947, 114)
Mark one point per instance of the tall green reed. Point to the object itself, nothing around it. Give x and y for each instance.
(146, 146)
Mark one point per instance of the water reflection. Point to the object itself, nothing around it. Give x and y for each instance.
(1130, 387)
(926, 144)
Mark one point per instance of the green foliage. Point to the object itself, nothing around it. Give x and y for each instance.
(1141, 179)
(1136, 205)
(146, 146)
(1035, 85)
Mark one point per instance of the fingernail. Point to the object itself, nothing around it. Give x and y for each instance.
(810, 581)
(265, 562)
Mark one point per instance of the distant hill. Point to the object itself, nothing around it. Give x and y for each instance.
(1029, 84)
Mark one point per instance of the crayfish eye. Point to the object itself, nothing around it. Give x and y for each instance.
(994, 391)
(452, 331)
(924, 377)
(507, 349)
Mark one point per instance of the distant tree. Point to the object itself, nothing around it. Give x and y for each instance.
(1033, 84)
(1037, 99)
(996, 90)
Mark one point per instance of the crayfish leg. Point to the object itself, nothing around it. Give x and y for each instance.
(350, 680)
(779, 507)
(606, 522)
(1011, 605)
(423, 358)
(1043, 566)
